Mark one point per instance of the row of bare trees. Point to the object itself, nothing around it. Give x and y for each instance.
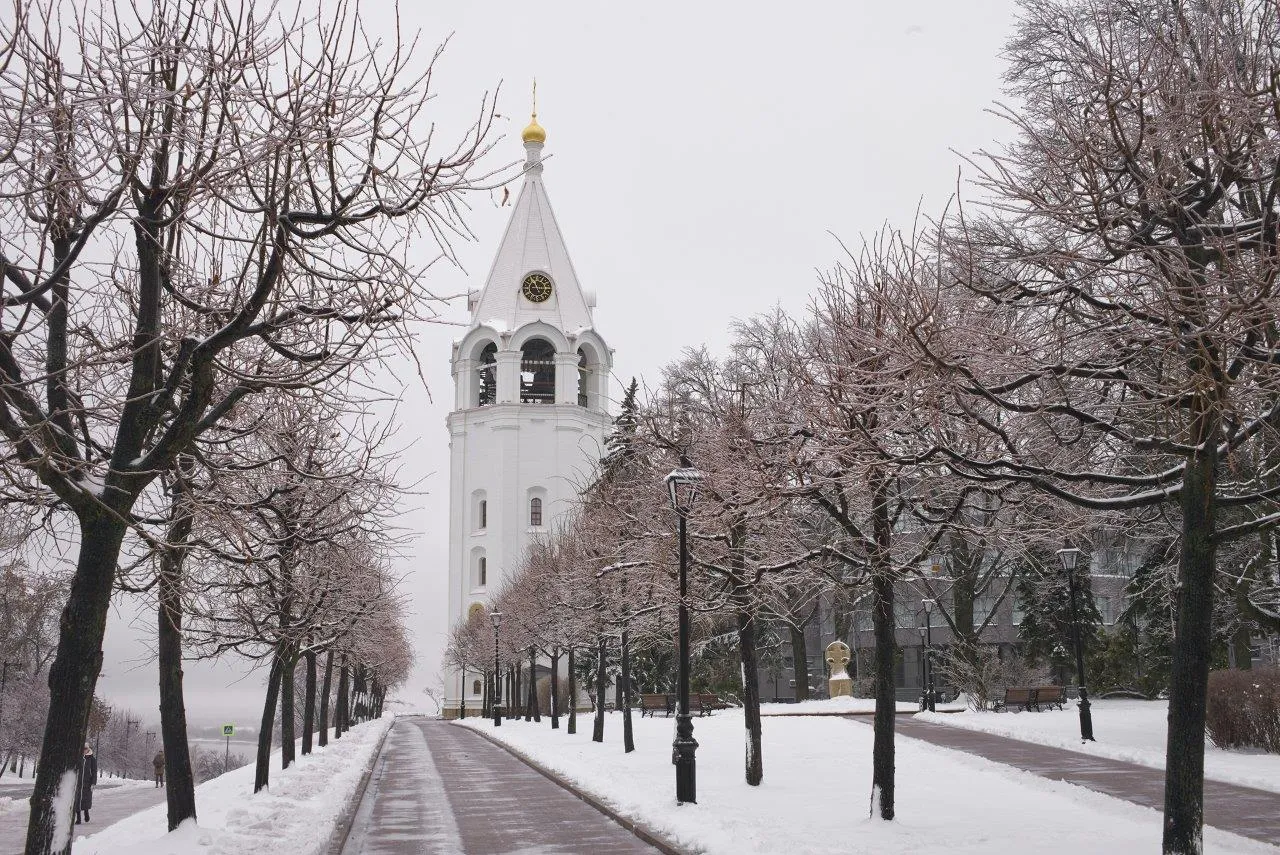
(207, 213)
(1091, 347)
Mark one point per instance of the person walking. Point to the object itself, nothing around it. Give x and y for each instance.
(88, 780)
(157, 763)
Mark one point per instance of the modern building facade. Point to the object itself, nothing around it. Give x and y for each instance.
(531, 409)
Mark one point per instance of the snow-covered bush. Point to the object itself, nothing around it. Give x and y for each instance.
(981, 675)
(1244, 709)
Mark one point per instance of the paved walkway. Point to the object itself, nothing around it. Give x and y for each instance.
(111, 803)
(1240, 810)
(439, 788)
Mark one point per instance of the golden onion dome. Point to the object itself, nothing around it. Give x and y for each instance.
(534, 132)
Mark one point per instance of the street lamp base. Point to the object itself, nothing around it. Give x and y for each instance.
(1086, 718)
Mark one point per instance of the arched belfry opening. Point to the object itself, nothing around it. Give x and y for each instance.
(538, 372)
(584, 379)
(487, 376)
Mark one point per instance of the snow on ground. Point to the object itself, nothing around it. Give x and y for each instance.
(296, 814)
(844, 706)
(1129, 730)
(816, 791)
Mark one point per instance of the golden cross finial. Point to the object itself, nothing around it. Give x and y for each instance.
(534, 133)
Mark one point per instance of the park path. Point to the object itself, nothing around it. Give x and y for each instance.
(111, 803)
(438, 789)
(1241, 810)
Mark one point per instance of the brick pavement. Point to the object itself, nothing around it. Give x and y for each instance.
(1241, 810)
(437, 788)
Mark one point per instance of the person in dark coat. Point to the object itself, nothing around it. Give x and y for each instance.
(88, 780)
(157, 766)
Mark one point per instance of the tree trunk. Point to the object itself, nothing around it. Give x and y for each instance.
(485, 710)
(73, 676)
(751, 695)
(324, 699)
(262, 773)
(1242, 638)
(628, 740)
(287, 729)
(340, 705)
(309, 703)
(555, 688)
(573, 697)
(882, 752)
(533, 688)
(800, 662)
(1189, 677)
(597, 730)
(180, 786)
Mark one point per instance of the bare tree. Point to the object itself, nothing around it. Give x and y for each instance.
(201, 203)
(1120, 342)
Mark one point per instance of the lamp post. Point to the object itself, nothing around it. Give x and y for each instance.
(930, 696)
(1069, 557)
(496, 617)
(682, 485)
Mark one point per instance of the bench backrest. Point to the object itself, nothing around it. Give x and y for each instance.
(1017, 696)
(1051, 693)
(655, 701)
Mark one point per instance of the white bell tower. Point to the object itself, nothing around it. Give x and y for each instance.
(527, 431)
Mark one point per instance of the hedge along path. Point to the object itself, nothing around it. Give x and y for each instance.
(1243, 709)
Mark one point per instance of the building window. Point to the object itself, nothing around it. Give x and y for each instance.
(537, 372)
(535, 511)
(475, 688)
(982, 608)
(584, 377)
(482, 572)
(484, 514)
(487, 375)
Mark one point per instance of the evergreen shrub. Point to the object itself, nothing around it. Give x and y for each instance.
(1244, 709)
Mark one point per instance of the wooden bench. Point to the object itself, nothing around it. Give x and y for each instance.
(1016, 699)
(652, 704)
(707, 702)
(1049, 696)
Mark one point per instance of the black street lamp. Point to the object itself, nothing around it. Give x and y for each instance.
(496, 617)
(682, 485)
(926, 631)
(1069, 557)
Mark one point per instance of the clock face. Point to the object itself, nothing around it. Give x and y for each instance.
(536, 288)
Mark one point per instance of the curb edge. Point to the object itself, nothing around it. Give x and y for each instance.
(342, 829)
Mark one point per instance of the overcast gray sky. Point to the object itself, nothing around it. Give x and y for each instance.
(700, 157)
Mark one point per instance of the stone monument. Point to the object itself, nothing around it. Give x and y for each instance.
(839, 684)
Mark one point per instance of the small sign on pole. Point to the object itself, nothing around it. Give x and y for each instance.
(228, 730)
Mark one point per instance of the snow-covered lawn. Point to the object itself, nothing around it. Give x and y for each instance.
(297, 814)
(1124, 730)
(814, 799)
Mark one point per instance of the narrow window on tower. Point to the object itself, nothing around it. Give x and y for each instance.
(535, 511)
(482, 572)
(484, 514)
